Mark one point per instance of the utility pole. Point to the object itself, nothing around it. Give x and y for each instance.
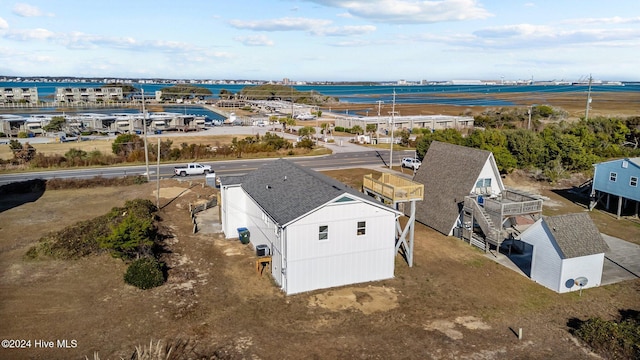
(393, 113)
(586, 112)
(144, 124)
(377, 122)
(530, 111)
(158, 176)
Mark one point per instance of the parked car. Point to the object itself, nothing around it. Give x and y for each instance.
(411, 163)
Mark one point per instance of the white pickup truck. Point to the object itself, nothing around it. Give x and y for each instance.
(193, 169)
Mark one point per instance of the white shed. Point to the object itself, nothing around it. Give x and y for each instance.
(320, 232)
(568, 251)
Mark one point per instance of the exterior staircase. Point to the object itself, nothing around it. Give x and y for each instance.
(493, 234)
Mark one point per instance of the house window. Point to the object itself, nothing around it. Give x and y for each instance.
(483, 183)
(613, 176)
(633, 181)
(323, 232)
(362, 227)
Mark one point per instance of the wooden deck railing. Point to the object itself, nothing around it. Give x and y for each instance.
(393, 187)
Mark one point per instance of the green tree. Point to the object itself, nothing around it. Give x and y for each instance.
(133, 232)
(371, 128)
(451, 136)
(404, 137)
(55, 124)
(528, 149)
(130, 238)
(307, 131)
(357, 130)
(75, 156)
(125, 144)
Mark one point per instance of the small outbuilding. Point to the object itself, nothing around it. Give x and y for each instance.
(567, 252)
(320, 233)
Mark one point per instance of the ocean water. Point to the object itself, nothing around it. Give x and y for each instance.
(410, 94)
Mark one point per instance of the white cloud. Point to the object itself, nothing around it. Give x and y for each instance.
(26, 10)
(4, 24)
(616, 20)
(30, 34)
(509, 31)
(411, 11)
(255, 40)
(344, 30)
(352, 43)
(312, 26)
(529, 36)
(282, 24)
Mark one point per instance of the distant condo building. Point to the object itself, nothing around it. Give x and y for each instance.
(88, 94)
(19, 95)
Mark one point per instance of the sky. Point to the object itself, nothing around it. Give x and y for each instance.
(323, 40)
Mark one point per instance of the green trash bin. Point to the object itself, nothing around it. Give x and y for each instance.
(243, 235)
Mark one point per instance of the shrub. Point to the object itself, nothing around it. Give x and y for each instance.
(132, 230)
(618, 340)
(305, 144)
(145, 273)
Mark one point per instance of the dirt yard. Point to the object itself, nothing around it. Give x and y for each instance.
(454, 303)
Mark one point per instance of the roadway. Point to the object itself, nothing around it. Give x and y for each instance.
(364, 157)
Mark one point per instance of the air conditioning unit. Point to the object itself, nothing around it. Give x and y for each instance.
(262, 250)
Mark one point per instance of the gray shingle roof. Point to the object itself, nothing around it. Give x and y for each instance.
(286, 191)
(448, 173)
(576, 235)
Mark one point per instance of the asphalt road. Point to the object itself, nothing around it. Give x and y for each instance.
(338, 160)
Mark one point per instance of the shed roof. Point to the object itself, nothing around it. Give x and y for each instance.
(286, 191)
(576, 235)
(448, 173)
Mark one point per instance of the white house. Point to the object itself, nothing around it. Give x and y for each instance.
(320, 232)
(568, 251)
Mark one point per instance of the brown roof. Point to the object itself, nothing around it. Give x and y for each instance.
(449, 172)
(576, 235)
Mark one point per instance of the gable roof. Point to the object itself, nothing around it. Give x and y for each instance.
(286, 191)
(448, 173)
(635, 161)
(576, 235)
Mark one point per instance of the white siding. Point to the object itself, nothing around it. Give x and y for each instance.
(234, 200)
(345, 257)
(546, 264)
(553, 272)
(263, 231)
(490, 171)
(589, 267)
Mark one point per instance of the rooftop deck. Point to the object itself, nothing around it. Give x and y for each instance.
(393, 188)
